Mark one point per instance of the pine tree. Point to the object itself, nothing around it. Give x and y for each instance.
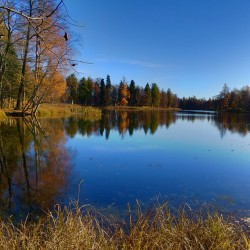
(83, 91)
(169, 98)
(108, 91)
(147, 95)
(156, 95)
(132, 91)
(102, 93)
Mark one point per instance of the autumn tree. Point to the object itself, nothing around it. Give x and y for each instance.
(42, 46)
(123, 93)
(54, 93)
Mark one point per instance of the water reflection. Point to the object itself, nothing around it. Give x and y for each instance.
(127, 122)
(123, 121)
(35, 163)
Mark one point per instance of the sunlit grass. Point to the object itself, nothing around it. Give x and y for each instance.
(70, 228)
(143, 108)
(2, 115)
(65, 110)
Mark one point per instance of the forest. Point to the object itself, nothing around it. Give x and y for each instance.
(37, 56)
(102, 93)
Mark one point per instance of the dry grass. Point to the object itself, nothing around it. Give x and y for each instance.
(157, 229)
(143, 108)
(2, 115)
(66, 110)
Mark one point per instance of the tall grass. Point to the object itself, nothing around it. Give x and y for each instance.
(156, 229)
(65, 110)
(2, 115)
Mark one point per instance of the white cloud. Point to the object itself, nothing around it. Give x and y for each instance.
(133, 62)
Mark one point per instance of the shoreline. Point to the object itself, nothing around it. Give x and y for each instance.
(76, 227)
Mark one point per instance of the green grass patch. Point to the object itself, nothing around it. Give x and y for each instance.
(158, 228)
(66, 110)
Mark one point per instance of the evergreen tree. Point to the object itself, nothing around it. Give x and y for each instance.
(156, 95)
(90, 85)
(96, 94)
(169, 98)
(72, 88)
(137, 96)
(114, 95)
(163, 102)
(147, 95)
(108, 91)
(83, 91)
(132, 91)
(102, 92)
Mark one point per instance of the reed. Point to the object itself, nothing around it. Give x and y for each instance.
(158, 228)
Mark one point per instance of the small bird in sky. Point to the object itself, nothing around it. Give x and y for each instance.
(66, 36)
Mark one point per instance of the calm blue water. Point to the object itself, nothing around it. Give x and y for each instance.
(186, 157)
(196, 158)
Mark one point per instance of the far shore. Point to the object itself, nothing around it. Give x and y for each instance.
(49, 110)
(144, 108)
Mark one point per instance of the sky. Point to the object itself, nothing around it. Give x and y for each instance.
(192, 47)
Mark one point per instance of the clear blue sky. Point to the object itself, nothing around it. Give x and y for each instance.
(190, 46)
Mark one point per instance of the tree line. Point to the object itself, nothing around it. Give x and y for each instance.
(237, 100)
(36, 51)
(102, 92)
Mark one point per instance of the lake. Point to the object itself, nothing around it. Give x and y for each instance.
(190, 158)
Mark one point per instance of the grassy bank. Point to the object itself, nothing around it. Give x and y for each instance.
(66, 110)
(144, 108)
(156, 229)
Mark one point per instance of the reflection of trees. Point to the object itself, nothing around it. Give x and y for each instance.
(149, 121)
(71, 126)
(233, 122)
(33, 164)
(122, 121)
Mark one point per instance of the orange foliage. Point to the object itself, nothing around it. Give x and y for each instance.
(56, 87)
